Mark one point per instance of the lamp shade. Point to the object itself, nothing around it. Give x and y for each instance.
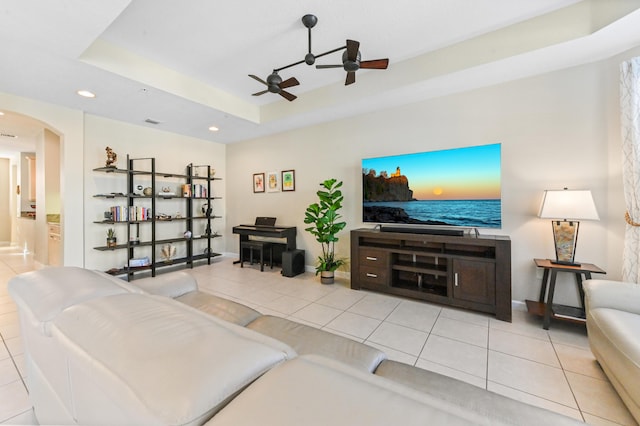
(568, 204)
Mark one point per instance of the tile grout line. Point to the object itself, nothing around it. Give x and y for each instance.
(564, 374)
(486, 373)
(428, 336)
(13, 361)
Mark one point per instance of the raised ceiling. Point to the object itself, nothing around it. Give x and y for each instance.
(185, 64)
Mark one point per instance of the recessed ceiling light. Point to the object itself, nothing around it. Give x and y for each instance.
(213, 128)
(86, 94)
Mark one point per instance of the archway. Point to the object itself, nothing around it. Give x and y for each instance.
(30, 175)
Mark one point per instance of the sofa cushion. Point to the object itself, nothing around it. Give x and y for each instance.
(225, 309)
(469, 397)
(312, 390)
(142, 359)
(308, 340)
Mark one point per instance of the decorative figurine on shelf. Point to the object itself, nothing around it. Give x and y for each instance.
(187, 234)
(112, 157)
(206, 210)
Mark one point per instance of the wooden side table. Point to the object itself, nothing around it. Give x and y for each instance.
(548, 309)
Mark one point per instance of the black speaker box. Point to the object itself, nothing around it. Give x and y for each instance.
(292, 262)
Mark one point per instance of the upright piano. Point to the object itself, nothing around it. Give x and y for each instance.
(287, 233)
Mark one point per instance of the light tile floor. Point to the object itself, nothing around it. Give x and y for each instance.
(553, 369)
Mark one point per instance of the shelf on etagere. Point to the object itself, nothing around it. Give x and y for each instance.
(113, 222)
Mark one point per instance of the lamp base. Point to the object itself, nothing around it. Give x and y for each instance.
(565, 237)
(564, 262)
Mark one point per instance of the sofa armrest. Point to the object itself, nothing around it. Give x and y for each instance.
(618, 295)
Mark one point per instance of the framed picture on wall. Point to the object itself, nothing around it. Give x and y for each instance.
(273, 182)
(288, 180)
(258, 182)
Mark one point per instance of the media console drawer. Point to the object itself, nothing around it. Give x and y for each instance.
(374, 276)
(374, 257)
(471, 272)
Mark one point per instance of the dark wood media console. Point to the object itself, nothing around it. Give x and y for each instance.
(463, 271)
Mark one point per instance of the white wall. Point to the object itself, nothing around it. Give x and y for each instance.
(557, 130)
(172, 154)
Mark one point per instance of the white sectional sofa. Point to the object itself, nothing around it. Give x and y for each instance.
(158, 351)
(613, 327)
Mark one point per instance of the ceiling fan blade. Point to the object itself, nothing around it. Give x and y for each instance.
(288, 96)
(289, 83)
(260, 93)
(377, 64)
(351, 78)
(352, 50)
(259, 79)
(328, 66)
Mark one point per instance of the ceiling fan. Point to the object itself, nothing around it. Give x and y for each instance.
(351, 62)
(275, 84)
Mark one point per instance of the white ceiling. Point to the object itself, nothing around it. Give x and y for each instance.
(185, 64)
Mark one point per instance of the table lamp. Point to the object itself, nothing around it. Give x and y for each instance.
(566, 207)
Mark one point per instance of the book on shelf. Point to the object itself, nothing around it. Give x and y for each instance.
(130, 213)
(195, 190)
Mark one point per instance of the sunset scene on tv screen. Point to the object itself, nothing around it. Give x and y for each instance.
(471, 173)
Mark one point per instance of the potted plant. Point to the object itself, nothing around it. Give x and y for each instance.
(324, 217)
(111, 237)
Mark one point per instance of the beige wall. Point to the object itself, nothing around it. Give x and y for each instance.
(557, 130)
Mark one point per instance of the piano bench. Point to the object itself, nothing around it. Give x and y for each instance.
(256, 245)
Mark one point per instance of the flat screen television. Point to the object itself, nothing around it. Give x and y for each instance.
(449, 188)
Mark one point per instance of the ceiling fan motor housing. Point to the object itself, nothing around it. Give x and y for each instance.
(350, 65)
(273, 82)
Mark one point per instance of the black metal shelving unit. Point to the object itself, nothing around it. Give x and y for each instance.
(190, 178)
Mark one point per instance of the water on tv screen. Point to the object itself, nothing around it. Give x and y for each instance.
(454, 187)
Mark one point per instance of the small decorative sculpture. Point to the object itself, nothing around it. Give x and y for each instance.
(112, 157)
(168, 251)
